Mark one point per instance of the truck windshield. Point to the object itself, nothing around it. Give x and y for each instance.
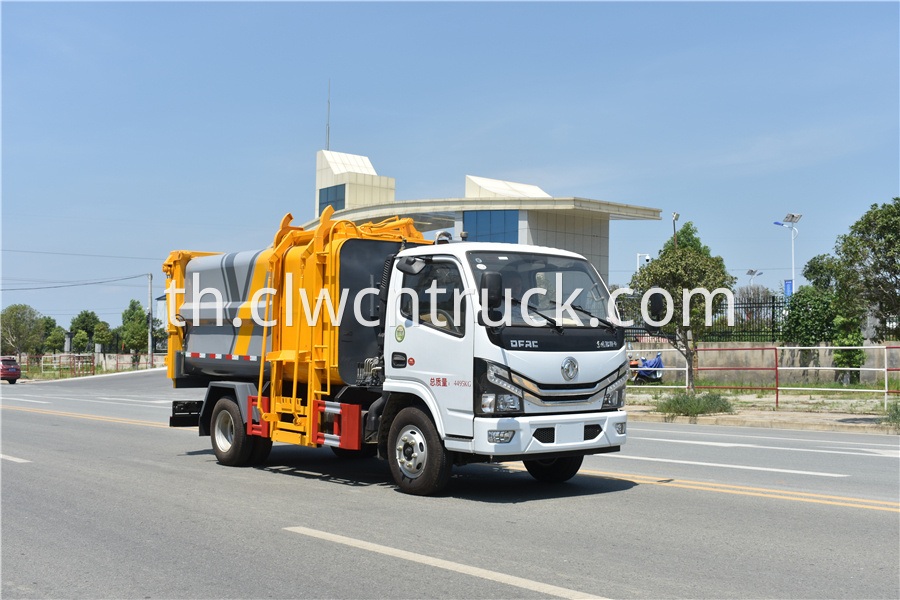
(567, 290)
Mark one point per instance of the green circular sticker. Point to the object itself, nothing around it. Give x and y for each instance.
(400, 333)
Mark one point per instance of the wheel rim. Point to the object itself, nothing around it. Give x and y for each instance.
(224, 431)
(411, 451)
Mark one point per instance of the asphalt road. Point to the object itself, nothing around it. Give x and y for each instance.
(101, 500)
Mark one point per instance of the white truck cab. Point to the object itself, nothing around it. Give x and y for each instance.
(511, 349)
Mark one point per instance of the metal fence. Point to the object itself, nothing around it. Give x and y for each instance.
(753, 322)
(778, 382)
(57, 366)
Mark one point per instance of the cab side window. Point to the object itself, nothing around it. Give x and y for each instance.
(445, 281)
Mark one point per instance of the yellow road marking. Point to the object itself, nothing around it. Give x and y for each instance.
(58, 413)
(739, 490)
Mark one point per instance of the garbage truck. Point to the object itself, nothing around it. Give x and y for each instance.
(374, 341)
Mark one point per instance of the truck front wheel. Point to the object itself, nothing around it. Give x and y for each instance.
(419, 462)
(554, 470)
(229, 438)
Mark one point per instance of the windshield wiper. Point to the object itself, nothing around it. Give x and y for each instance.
(601, 320)
(585, 311)
(552, 323)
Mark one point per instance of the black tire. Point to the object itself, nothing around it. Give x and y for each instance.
(12, 381)
(229, 436)
(367, 451)
(554, 470)
(419, 462)
(261, 449)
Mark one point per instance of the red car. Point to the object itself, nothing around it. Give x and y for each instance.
(9, 369)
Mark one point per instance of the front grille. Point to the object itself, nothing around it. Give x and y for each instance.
(592, 431)
(545, 435)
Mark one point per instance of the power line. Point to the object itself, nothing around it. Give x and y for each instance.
(50, 287)
(75, 254)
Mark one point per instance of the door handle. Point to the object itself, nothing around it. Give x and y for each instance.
(398, 360)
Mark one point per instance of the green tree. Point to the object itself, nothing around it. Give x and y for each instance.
(688, 237)
(86, 321)
(134, 327)
(823, 272)
(21, 329)
(159, 333)
(690, 267)
(81, 341)
(49, 326)
(56, 341)
(847, 332)
(869, 273)
(810, 318)
(102, 335)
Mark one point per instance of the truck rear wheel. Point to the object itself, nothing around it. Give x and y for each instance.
(419, 462)
(554, 470)
(230, 441)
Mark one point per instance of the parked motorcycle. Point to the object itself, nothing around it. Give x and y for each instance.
(646, 371)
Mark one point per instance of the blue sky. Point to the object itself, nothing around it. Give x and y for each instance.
(133, 129)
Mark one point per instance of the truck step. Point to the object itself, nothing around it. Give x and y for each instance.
(347, 419)
(260, 428)
(291, 437)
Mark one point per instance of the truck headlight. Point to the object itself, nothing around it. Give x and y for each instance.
(500, 377)
(615, 394)
(495, 394)
(500, 403)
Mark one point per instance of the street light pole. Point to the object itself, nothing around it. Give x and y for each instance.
(753, 273)
(675, 216)
(789, 222)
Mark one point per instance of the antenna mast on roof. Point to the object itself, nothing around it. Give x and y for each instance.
(328, 117)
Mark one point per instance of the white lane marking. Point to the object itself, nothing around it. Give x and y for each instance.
(707, 464)
(130, 404)
(763, 437)
(527, 584)
(134, 400)
(884, 453)
(25, 400)
(13, 459)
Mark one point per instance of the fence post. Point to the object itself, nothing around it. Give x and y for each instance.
(776, 376)
(885, 377)
(772, 330)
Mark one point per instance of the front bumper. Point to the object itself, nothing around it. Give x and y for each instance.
(551, 434)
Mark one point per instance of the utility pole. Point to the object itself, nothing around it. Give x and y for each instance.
(328, 118)
(150, 319)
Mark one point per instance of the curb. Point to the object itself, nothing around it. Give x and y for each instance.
(777, 423)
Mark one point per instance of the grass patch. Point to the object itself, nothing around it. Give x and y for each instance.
(690, 405)
(893, 414)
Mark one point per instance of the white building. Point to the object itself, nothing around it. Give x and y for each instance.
(490, 211)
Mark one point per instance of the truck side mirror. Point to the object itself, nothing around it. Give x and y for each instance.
(411, 265)
(492, 281)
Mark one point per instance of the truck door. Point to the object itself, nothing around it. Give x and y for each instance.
(428, 342)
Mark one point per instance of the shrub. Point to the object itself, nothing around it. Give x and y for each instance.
(893, 414)
(689, 405)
